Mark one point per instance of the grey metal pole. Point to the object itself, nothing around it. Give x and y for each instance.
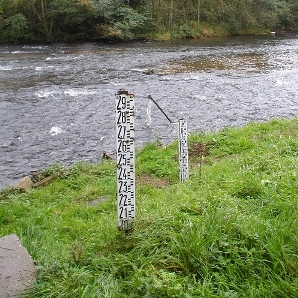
(149, 96)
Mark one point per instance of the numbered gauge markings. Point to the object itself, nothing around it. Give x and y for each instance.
(125, 159)
(183, 149)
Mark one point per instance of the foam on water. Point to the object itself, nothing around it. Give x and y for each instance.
(5, 68)
(56, 130)
(45, 94)
(75, 93)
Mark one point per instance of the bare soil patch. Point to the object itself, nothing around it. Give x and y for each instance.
(152, 181)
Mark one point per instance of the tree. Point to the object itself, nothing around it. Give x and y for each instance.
(13, 28)
(70, 18)
(118, 20)
(35, 12)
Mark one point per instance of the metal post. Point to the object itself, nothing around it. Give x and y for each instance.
(150, 97)
(125, 134)
(183, 149)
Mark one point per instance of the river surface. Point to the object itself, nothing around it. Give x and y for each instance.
(57, 101)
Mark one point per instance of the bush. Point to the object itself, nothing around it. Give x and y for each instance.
(14, 28)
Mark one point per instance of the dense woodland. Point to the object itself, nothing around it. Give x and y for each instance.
(81, 20)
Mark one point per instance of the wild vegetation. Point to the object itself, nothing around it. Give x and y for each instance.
(229, 231)
(73, 20)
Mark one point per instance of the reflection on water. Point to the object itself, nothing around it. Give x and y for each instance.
(57, 101)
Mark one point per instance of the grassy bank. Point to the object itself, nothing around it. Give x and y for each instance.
(229, 231)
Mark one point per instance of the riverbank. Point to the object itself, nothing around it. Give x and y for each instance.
(195, 32)
(57, 100)
(202, 33)
(228, 231)
(72, 21)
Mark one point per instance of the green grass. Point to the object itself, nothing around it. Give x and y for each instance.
(229, 231)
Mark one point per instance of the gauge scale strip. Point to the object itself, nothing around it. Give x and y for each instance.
(125, 131)
(183, 149)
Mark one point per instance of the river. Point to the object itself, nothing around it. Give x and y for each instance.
(57, 100)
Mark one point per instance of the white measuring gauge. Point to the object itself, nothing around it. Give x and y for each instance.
(183, 149)
(125, 134)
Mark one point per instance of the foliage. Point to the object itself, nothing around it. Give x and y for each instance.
(58, 20)
(121, 21)
(13, 28)
(69, 19)
(229, 231)
(130, 23)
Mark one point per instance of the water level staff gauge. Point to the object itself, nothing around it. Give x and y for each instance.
(183, 149)
(125, 151)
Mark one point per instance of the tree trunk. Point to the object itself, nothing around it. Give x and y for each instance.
(43, 19)
(199, 2)
(171, 15)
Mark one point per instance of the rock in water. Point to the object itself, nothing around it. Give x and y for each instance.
(25, 183)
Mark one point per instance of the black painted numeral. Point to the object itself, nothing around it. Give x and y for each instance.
(121, 103)
(122, 146)
(122, 174)
(123, 187)
(121, 117)
(123, 200)
(123, 212)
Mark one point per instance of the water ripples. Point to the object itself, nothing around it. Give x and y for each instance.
(57, 101)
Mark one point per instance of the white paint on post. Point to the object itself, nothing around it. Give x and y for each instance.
(183, 149)
(125, 134)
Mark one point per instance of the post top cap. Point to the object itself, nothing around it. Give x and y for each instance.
(122, 91)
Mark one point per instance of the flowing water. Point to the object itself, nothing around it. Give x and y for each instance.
(57, 101)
